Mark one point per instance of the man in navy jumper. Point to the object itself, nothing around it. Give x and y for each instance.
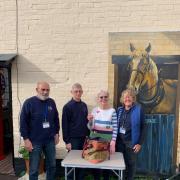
(74, 124)
(39, 127)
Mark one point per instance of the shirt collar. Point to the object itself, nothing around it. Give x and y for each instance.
(75, 101)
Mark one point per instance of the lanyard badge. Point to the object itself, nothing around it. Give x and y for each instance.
(122, 130)
(46, 123)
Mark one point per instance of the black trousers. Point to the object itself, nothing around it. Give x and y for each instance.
(77, 144)
(97, 173)
(129, 157)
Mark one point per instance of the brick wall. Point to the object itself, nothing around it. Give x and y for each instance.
(68, 41)
(7, 26)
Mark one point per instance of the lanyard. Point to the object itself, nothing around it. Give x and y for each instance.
(122, 118)
(46, 112)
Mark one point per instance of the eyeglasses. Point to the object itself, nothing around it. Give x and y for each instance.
(45, 89)
(105, 97)
(78, 91)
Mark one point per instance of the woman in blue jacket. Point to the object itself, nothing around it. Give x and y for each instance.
(130, 130)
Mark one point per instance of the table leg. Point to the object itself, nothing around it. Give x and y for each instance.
(74, 174)
(118, 174)
(65, 173)
(121, 174)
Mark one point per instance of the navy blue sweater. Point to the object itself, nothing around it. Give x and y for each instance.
(33, 114)
(74, 120)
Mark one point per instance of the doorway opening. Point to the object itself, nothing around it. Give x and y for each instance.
(6, 120)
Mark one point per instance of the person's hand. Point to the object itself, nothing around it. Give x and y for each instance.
(112, 147)
(28, 145)
(137, 148)
(90, 117)
(56, 139)
(68, 146)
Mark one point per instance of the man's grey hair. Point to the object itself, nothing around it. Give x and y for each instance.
(42, 82)
(76, 85)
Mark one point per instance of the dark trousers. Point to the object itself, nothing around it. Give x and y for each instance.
(77, 144)
(129, 157)
(97, 173)
(50, 157)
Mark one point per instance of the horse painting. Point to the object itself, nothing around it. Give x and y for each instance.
(157, 95)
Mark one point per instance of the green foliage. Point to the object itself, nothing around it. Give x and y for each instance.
(90, 177)
(24, 152)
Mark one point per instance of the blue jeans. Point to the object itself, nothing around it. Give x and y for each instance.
(129, 158)
(77, 144)
(50, 159)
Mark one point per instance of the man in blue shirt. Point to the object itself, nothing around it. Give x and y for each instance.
(74, 123)
(39, 127)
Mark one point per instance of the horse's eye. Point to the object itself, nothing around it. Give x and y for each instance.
(133, 56)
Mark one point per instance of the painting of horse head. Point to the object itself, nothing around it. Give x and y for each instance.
(157, 95)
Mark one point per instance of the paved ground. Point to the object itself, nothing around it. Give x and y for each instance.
(7, 177)
(6, 165)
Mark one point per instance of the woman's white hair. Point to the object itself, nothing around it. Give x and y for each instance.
(103, 91)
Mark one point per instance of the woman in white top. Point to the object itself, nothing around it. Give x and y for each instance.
(103, 123)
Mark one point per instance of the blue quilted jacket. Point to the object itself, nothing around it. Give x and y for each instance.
(137, 123)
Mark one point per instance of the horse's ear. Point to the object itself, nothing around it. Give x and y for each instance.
(148, 49)
(132, 48)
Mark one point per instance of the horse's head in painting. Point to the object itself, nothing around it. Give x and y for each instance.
(144, 77)
(155, 94)
(143, 69)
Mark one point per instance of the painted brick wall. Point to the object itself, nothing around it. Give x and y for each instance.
(67, 41)
(7, 26)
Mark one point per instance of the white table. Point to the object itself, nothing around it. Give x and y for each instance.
(74, 160)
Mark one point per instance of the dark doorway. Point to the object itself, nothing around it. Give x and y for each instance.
(6, 120)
